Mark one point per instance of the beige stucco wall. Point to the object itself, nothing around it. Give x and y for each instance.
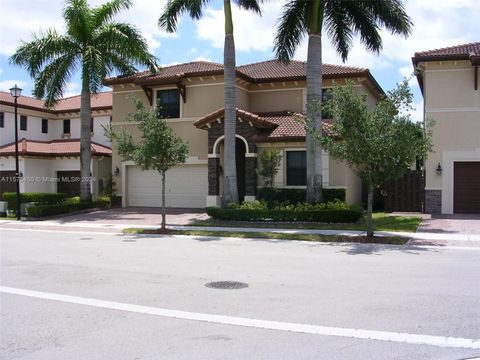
(276, 100)
(453, 104)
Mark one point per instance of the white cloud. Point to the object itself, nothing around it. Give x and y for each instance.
(417, 113)
(1, 71)
(71, 89)
(252, 31)
(203, 58)
(27, 16)
(5, 85)
(438, 23)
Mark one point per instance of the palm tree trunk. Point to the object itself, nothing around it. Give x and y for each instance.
(164, 209)
(85, 144)
(230, 190)
(369, 210)
(314, 101)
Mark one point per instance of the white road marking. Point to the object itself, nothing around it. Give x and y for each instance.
(416, 339)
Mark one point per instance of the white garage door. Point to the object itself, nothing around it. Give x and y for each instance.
(186, 187)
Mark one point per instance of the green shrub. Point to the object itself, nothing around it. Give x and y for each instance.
(103, 202)
(40, 198)
(275, 196)
(55, 209)
(72, 200)
(333, 212)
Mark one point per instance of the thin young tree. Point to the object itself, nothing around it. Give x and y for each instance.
(379, 144)
(158, 149)
(168, 21)
(94, 45)
(342, 20)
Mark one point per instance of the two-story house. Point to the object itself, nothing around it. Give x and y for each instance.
(449, 81)
(49, 145)
(191, 95)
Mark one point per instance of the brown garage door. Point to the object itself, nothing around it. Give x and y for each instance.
(466, 189)
(7, 182)
(68, 182)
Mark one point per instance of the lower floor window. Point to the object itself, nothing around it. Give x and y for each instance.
(296, 168)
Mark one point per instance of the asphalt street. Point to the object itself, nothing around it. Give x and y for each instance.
(72, 295)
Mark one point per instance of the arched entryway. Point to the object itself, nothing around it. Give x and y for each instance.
(240, 163)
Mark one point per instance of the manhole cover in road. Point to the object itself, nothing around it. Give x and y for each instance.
(228, 285)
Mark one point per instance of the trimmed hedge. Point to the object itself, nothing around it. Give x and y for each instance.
(36, 197)
(328, 215)
(54, 209)
(68, 205)
(296, 196)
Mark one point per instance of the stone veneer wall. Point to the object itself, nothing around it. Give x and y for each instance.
(433, 201)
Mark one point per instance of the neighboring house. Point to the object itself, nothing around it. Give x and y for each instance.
(49, 144)
(191, 97)
(449, 80)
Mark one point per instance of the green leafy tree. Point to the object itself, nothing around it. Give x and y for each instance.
(159, 148)
(94, 45)
(168, 20)
(342, 20)
(379, 144)
(270, 161)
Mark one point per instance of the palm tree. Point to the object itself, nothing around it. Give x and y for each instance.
(342, 19)
(168, 21)
(93, 44)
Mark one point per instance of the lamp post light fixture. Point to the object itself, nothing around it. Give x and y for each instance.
(439, 169)
(16, 92)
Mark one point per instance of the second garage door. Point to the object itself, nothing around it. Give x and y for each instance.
(186, 187)
(466, 198)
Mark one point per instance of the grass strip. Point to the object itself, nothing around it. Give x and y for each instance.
(395, 240)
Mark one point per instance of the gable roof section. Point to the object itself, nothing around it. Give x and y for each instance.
(275, 126)
(100, 101)
(52, 148)
(459, 52)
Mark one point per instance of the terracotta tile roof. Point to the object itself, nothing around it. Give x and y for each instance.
(276, 126)
(270, 70)
(288, 128)
(170, 73)
(274, 70)
(99, 101)
(458, 52)
(242, 114)
(52, 148)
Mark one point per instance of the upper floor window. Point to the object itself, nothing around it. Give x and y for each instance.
(296, 168)
(91, 124)
(23, 122)
(66, 126)
(168, 104)
(44, 126)
(2, 119)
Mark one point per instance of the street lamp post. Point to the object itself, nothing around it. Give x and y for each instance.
(15, 92)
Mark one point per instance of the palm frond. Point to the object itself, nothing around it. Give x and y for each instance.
(339, 27)
(106, 12)
(291, 28)
(78, 19)
(44, 48)
(252, 5)
(124, 41)
(389, 14)
(50, 82)
(175, 8)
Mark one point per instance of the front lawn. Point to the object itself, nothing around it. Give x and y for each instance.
(395, 240)
(381, 221)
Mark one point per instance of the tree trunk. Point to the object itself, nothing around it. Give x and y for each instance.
(230, 190)
(314, 110)
(164, 209)
(85, 144)
(369, 210)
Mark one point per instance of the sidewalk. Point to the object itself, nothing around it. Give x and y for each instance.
(418, 238)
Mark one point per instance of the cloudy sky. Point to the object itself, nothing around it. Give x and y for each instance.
(438, 23)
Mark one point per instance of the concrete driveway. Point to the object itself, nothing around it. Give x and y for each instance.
(135, 216)
(453, 224)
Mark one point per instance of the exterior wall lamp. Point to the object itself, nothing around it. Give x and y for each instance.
(117, 171)
(439, 169)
